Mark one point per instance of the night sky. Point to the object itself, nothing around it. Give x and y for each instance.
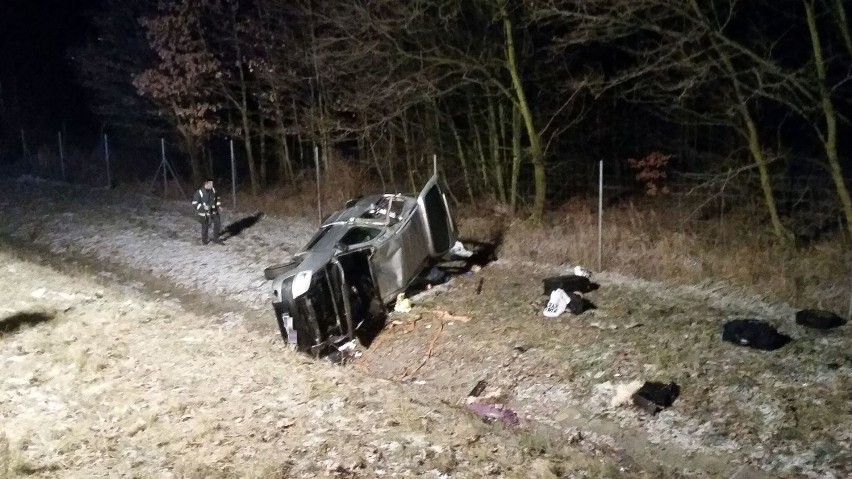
(34, 39)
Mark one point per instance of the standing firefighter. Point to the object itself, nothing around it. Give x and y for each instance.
(207, 204)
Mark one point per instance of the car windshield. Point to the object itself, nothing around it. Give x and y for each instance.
(359, 234)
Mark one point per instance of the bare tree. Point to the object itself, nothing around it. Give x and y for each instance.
(180, 82)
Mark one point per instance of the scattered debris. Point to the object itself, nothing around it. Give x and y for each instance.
(447, 315)
(495, 412)
(403, 304)
(754, 333)
(596, 324)
(460, 251)
(654, 397)
(624, 393)
(39, 293)
(581, 271)
(599, 325)
(435, 276)
(819, 319)
(349, 346)
(409, 372)
(479, 286)
(345, 353)
(557, 304)
(478, 389)
(560, 301)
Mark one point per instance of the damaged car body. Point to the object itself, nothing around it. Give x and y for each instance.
(361, 258)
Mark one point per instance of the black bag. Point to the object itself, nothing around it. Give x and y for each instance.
(754, 333)
(569, 283)
(654, 396)
(819, 319)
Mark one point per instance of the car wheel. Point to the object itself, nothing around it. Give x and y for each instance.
(273, 272)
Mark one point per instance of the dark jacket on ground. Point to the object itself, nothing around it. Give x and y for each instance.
(206, 198)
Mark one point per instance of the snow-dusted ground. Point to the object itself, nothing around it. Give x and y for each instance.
(148, 234)
(102, 381)
(135, 231)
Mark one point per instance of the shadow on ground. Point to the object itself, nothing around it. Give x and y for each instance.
(12, 323)
(237, 227)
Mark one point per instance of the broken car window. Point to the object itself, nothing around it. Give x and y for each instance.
(359, 234)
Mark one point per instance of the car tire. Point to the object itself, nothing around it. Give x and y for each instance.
(273, 272)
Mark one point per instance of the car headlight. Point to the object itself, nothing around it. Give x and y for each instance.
(301, 283)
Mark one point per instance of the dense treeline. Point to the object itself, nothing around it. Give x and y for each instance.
(519, 99)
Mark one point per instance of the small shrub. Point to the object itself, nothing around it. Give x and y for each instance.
(650, 171)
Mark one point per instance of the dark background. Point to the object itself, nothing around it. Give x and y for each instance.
(36, 75)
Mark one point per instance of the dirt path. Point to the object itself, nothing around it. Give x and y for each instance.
(741, 412)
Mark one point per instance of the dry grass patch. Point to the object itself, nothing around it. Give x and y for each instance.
(341, 182)
(658, 241)
(752, 406)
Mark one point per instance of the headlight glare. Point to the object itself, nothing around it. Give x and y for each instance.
(301, 283)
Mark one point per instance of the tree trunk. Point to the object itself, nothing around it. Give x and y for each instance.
(195, 163)
(843, 25)
(829, 139)
(285, 165)
(391, 166)
(516, 158)
(438, 143)
(536, 152)
(463, 161)
(262, 153)
(406, 149)
(377, 163)
(757, 154)
(247, 142)
(482, 162)
(299, 136)
(755, 149)
(494, 143)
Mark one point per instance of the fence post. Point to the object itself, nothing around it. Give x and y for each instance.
(233, 176)
(61, 156)
(600, 218)
(106, 157)
(24, 150)
(165, 172)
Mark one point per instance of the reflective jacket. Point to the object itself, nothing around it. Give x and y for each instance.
(206, 202)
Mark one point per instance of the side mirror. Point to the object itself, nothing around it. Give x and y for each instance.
(351, 203)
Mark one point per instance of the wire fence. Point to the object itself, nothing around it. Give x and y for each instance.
(808, 200)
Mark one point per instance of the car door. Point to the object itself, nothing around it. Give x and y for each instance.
(434, 210)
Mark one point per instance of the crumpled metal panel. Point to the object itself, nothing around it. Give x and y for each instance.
(400, 259)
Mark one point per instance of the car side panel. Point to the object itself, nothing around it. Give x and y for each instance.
(400, 259)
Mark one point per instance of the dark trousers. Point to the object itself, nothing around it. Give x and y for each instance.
(205, 227)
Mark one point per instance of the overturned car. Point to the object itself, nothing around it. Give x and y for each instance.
(361, 258)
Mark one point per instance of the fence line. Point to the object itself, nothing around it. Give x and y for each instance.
(811, 193)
